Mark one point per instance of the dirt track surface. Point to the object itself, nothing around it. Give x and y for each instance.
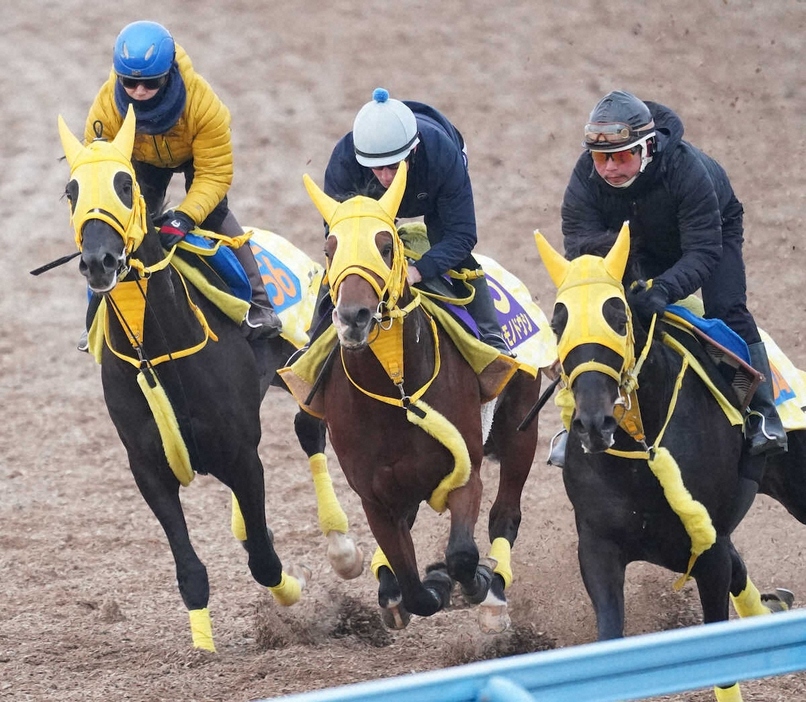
(88, 603)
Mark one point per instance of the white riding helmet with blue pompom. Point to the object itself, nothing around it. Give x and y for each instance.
(384, 131)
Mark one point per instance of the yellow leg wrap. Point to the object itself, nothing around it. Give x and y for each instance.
(236, 522)
(379, 559)
(728, 694)
(331, 515)
(500, 550)
(748, 602)
(201, 629)
(287, 592)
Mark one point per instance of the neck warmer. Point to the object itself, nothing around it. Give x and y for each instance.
(159, 113)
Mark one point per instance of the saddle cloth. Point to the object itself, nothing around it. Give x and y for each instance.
(525, 327)
(729, 352)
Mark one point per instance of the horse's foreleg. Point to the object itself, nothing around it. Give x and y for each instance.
(161, 493)
(746, 599)
(603, 566)
(462, 554)
(264, 563)
(390, 599)
(394, 540)
(346, 559)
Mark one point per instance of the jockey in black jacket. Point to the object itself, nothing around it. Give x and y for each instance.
(685, 227)
(385, 133)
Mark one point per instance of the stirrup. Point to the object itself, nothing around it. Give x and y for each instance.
(556, 456)
(84, 342)
(762, 441)
(263, 320)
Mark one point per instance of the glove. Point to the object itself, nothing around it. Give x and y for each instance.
(648, 299)
(174, 227)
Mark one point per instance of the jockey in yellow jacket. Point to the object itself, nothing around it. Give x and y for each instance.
(182, 127)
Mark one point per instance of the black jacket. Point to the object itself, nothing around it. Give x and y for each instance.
(680, 210)
(437, 188)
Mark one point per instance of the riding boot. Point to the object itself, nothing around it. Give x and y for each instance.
(557, 449)
(261, 317)
(763, 430)
(322, 313)
(482, 309)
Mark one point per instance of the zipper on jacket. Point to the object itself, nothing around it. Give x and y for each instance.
(165, 161)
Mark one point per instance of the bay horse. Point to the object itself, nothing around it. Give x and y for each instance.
(180, 380)
(403, 410)
(652, 463)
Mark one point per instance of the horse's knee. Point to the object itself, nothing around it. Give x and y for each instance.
(310, 433)
(462, 563)
(194, 586)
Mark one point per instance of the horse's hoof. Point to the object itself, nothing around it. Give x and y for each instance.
(346, 558)
(493, 615)
(395, 616)
(779, 601)
(302, 573)
(494, 619)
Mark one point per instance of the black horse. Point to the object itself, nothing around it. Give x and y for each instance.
(180, 380)
(652, 462)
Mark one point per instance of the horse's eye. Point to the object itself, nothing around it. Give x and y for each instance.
(387, 250)
(123, 188)
(615, 314)
(559, 319)
(71, 191)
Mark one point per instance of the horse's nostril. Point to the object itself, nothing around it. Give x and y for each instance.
(110, 262)
(363, 317)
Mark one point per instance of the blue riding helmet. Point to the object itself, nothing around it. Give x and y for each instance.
(143, 50)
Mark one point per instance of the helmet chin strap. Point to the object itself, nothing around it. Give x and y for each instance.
(645, 161)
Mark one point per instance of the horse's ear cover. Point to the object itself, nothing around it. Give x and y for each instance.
(556, 265)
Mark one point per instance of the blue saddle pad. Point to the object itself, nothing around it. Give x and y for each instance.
(226, 265)
(716, 329)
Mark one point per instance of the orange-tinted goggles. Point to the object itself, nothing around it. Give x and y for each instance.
(619, 157)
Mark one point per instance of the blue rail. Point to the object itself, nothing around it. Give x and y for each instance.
(610, 671)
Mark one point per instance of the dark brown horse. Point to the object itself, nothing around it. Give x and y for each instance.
(180, 380)
(404, 414)
(653, 461)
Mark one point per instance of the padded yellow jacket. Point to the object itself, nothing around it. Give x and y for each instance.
(202, 133)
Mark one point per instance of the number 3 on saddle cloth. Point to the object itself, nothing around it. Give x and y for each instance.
(689, 331)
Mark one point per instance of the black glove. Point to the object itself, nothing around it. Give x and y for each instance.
(174, 227)
(647, 299)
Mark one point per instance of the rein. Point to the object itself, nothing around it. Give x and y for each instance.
(389, 352)
(135, 339)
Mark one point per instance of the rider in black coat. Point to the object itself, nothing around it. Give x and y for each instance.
(686, 227)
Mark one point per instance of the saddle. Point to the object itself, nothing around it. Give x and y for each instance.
(721, 352)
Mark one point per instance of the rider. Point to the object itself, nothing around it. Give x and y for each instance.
(364, 162)
(685, 227)
(182, 127)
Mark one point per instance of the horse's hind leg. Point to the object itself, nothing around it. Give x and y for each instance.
(515, 451)
(346, 559)
(161, 493)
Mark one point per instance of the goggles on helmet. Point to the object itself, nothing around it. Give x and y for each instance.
(615, 136)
